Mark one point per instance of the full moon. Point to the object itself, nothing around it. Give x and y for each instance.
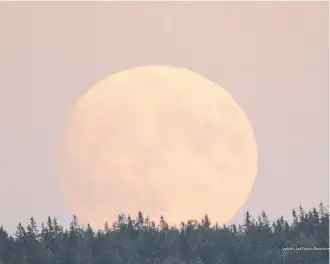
(157, 139)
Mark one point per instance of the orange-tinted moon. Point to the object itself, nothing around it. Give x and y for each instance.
(159, 139)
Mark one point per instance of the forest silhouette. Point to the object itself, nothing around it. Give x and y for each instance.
(303, 240)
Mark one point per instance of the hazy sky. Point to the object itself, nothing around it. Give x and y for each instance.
(271, 57)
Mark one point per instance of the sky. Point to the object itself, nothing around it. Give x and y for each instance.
(271, 57)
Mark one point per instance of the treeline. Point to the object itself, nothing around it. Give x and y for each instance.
(304, 240)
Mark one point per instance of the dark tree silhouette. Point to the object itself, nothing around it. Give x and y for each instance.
(305, 240)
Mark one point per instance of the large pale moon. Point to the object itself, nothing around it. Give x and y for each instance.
(157, 139)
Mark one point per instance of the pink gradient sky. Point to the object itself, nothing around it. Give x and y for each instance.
(271, 57)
